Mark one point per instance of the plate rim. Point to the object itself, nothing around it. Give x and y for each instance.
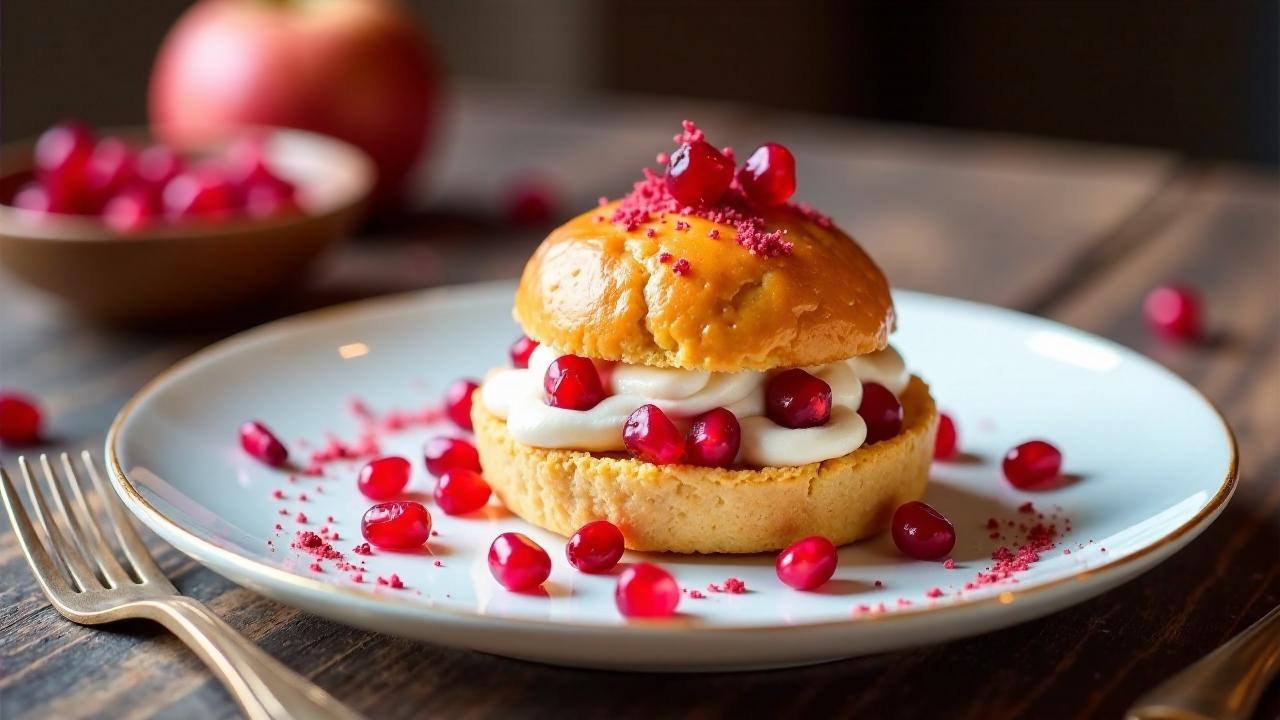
(267, 574)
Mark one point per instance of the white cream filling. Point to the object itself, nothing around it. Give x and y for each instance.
(517, 396)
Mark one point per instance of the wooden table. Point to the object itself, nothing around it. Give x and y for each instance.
(1074, 232)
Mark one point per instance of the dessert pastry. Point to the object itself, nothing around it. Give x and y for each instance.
(711, 371)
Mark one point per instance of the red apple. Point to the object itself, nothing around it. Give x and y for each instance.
(359, 70)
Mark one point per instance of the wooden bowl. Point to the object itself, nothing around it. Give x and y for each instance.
(189, 269)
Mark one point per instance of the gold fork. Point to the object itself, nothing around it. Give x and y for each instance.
(86, 582)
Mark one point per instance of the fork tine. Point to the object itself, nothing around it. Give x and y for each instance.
(143, 564)
(101, 550)
(59, 542)
(66, 519)
(50, 577)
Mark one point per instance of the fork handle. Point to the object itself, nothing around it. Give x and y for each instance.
(263, 687)
(1224, 685)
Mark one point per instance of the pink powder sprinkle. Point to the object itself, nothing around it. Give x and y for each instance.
(650, 233)
(435, 533)
(992, 523)
(315, 567)
(362, 549)
(1066, 551)
(1026, 507)
(1008, 561)
(903, 602)
(358, 578)
(735, 586)
(682, 225)
(713, 233)
(394, 581)
(949, 564)
(602, 201)
(681, 267)
(696, 594)
(878, 584)
(279, 526)
(664, 257)
(934, 592)
(300, 517)
(282, 511)
(381, 580)
(294, 478)
(329, 519)
(302, 497)
(278, 494)
(437, 563)
(662, 158)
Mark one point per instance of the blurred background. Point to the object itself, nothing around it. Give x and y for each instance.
(1199, 77)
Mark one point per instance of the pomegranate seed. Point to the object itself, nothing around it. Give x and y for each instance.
(517, 562)
(572, 383)
(157, 165)
(1031, 464)
(19, 419)
(269, 197)
(203, 192)
(33, 197)
(698, 174)
(881, 411)
(796, 399)
(947, 443)
(402, 525)
(652, 437)
(247, 159)
(384, 478)
(807, 564)
(445, 453)
(62, 155)
(769, 175)
(261, 443)
(131, 209)
(457, 402)
(521, 349)
(713, 439)
(530, 202)
(647, 591)
(921, 532)
(111, 167)
(596, 547)
(1174, 312)
(461, 491)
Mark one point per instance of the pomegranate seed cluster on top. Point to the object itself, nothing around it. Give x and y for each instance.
(700, 181)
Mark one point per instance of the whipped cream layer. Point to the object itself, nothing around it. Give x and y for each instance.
(517, 396)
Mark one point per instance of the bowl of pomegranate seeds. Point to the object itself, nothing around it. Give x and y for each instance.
(125, 229)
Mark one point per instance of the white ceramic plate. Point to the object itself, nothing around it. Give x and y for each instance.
(1152, 463)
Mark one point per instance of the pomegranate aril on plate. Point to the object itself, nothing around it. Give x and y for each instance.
(769, 175)
(517, 562)
(947, 443)
(258, 440)
(1174, 312)
(713, 439)
(520, 351)
(881, 411)
(572, 382)
(443, 454)
(698, 174)
(402, 525)
(19, 419)
(457, 402)
(647, 591)
(796, 399)
(651, 436)
(384, 478)
(921, 532)
(596, 547)
(461, 491)
(807, 564)
(1032, 464)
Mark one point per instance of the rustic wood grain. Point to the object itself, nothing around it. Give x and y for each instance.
(1075, 232)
